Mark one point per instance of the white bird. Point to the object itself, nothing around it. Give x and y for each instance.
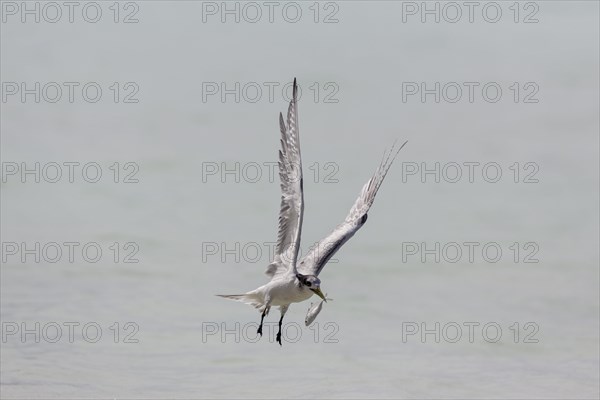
(292, 283)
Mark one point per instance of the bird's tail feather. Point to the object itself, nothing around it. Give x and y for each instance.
(248, 298)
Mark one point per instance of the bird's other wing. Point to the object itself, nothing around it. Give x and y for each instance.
(320, 254)
(292, 193)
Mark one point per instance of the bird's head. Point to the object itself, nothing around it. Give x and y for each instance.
(311, 282)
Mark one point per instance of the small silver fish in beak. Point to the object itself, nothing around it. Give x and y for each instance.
(314, 310)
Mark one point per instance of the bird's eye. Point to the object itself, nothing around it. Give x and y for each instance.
(308, 284)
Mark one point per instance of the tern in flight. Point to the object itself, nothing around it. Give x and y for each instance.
(294, 281)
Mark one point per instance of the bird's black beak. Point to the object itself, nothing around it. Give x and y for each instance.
(319, 293)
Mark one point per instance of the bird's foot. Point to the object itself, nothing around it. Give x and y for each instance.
(259, 331)
(279, 338)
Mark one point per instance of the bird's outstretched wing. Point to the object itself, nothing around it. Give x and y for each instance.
(292, 193)
(320, 254)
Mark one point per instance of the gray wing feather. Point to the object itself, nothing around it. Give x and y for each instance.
(291, 210)
(320, 254)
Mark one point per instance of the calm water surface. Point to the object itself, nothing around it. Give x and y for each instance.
(360, 347)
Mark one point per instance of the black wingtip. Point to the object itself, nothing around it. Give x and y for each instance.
(397, 151)
(295, 89)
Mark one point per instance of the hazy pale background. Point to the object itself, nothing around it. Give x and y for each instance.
(171, 212)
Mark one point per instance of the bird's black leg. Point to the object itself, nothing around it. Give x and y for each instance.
(283, 310)
(279, 333)
(262, 317)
